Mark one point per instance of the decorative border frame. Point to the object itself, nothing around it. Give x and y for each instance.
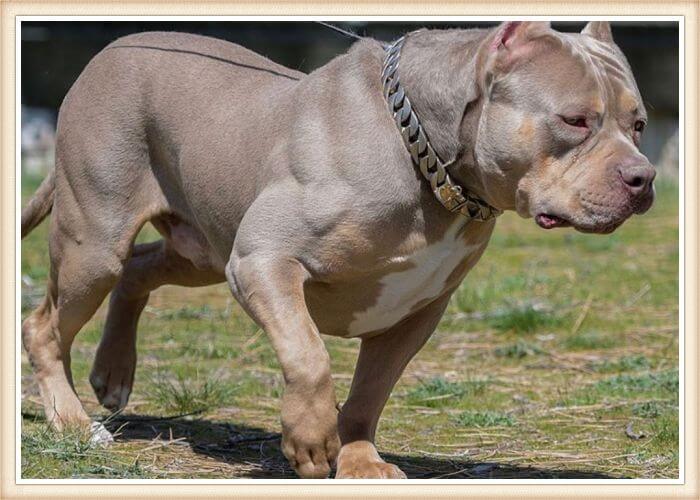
(687, 486)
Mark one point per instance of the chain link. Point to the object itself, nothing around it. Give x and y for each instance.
(449, 194)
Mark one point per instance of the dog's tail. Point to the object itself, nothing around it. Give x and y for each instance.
(40, 205)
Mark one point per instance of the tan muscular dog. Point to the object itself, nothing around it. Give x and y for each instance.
(300, 192)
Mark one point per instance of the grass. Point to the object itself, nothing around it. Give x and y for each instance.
(524, 319)
(438, 392)
(587, 340)
(623, 364)
(185, 395)
(70, 455)
(651, 409)
(553, 345)
(518, 350)
(624, 384)
(484, 419)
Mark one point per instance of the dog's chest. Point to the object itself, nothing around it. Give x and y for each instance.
(411, 280)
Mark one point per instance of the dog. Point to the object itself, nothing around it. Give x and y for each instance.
(351, 201)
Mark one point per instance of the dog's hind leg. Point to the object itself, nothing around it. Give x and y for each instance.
(83, 271)
(101, 201)
(150, 266)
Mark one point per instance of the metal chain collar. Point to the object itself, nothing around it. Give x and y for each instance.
(448, 193)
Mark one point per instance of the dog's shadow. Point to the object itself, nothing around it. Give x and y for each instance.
(255, 452)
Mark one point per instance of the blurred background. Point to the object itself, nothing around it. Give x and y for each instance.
(55, 52)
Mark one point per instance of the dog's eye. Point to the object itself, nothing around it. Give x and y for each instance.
(639, 126)
(575, 121)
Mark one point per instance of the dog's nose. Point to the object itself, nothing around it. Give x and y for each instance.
(637, 178)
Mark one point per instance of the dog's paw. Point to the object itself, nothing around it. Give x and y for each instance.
(311, 460)
(371, 470)
(112, 381)
(310, 435)
(99, 435)
(360, 460)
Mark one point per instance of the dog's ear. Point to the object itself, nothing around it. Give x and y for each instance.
(513, 34)
(600, 30)
(513, 41)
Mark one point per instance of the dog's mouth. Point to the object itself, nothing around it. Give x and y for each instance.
(550, 221)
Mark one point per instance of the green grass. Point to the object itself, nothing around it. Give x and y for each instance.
(518, 350)
(438, 392)
(583, 341)
(50, 455)
(625, 386)
(554, 343)
(484, 419)
(663, 383)
(184, 395)
(665, 430)
(651, 409)
(524, 319)
(623, 364)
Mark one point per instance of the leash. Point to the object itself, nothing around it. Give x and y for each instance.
(348, 33)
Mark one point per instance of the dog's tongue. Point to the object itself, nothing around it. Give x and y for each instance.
(547, 221)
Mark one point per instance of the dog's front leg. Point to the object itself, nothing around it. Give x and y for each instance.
(380, 364)
(271, 289)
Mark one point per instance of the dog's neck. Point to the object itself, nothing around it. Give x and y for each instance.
(435, 67)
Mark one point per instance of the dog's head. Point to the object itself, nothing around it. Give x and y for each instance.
(559, 131)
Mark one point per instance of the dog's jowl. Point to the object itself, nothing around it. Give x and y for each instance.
(350, 202)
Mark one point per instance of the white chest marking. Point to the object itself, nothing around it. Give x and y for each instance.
(425, 279)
